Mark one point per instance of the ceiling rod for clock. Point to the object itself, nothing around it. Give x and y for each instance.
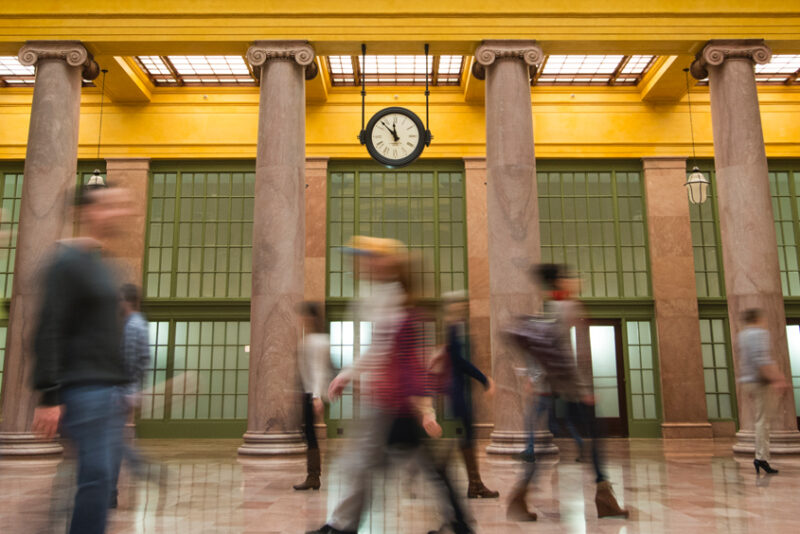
(428, 135)
(362, 136)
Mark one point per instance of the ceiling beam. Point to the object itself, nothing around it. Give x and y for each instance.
(666, 79)
(317, 88)
(125, 82)
(474, 89)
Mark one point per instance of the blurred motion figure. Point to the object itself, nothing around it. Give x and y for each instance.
(78, 366)
(315, 372)
(547, 340)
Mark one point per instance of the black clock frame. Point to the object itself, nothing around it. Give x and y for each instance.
(421, 142)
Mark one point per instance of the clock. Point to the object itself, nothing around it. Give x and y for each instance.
(395, 137)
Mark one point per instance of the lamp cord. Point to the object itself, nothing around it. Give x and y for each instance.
(691, 121)
(363, 84)
(102, 97)
(427, 92)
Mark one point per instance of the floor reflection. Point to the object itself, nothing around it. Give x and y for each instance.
(202, 486)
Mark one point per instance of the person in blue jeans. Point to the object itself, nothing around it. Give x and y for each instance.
(542, 403)
(78, 366)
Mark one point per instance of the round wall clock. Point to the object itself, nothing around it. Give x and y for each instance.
(395, 137)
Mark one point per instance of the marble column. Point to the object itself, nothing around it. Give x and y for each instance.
(513, 222)
(273, 421)
(316, 206)
(680, 360)
(50, 166)
(749, 250)
(316, 195)
(478, 267)
(128, 249)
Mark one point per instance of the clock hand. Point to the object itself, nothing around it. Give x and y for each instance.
(393, 132)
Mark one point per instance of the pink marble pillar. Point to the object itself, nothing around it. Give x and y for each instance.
(316, 240)
(273, 421)
(749, 250)
(128, 249)
(683, 397)
(50, 166)
(513, 221)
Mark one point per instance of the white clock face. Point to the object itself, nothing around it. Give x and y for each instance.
(395, 136)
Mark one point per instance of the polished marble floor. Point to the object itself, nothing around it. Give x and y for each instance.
(202, 486)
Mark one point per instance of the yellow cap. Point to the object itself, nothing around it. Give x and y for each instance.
(373, 246)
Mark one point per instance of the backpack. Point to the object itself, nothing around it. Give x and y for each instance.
(541, 338)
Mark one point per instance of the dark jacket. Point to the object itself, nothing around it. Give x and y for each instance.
(77, 340)
(461, 368)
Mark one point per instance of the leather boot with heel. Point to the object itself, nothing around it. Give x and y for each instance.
(763, 464)
(476, 489)
(314, 470)
(606, 502)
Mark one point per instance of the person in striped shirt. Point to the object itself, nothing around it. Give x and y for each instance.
(401, 409)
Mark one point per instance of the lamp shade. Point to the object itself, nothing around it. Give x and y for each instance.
(697, 186)
(96, 179)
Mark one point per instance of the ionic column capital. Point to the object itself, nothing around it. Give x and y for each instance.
(489, 51)
(717, 51)
(73, 52)
(298, 51)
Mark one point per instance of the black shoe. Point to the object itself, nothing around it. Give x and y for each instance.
(763, 464)
(327, 529)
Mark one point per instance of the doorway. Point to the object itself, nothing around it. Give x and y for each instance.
(601, 340)
(793, 340)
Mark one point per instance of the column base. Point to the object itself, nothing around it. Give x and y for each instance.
(780, 442)
(27, 444)
(512, 441)
(272, 444)
(687, 431)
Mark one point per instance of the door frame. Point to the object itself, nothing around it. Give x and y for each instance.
(793, 321)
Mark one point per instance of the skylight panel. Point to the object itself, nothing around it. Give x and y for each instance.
(197, 70)
(593, 69)
(15, 74)
(782, 69)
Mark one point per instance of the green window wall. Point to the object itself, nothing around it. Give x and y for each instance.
(784, 181)
(643, 371)
(200, 232)
(593, 220)
(706, 244)
(717, 369)
(198, 374)
(11, 188)
(197, 286)
(422, 208)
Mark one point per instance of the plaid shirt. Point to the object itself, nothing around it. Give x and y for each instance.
(135, 350)
(403, 374)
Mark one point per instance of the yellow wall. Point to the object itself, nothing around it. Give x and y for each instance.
(568, 122)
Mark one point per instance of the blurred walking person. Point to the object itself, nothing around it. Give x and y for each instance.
(401, 409)
(454, 369)
(136, 360)
(547, 339)
(315, 374)
(758, 374)
(78, 367)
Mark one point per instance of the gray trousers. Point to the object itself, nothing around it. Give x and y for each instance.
(367, 453)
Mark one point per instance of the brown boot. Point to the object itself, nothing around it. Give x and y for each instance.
(314, 471)
(476, 488)
(517, 507)
(607, 505)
